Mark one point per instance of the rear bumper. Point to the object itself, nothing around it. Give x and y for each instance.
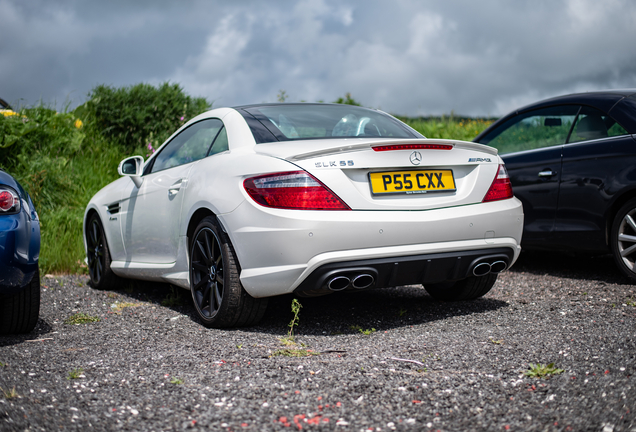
(405, 270)
(19, 252)
(278, 250)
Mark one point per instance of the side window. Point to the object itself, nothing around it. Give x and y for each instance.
(594, 124)
(545, 127)
(220, 143)
(190, 145)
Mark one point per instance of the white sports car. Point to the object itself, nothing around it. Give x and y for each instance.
(241, 204)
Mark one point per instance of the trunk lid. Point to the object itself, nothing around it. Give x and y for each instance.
(405, 174)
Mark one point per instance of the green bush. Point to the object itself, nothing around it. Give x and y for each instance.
(61, 166)
(448, 127)
(133, 116)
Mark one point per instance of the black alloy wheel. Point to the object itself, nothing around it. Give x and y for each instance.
(101, 275)
(219, 298)
(623, 239)
(466, 289)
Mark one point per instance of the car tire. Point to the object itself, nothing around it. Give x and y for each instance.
(98, 254)
(19, 312)
(219, 298)
(623, 239)
(466, 289)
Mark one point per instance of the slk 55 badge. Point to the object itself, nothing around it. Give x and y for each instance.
(334, 164)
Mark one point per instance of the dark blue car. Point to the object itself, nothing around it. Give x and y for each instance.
(19, 253)
(572, 163)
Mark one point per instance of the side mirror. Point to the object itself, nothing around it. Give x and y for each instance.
(132, 167)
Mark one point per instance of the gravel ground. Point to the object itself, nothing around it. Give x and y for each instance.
(147, 364)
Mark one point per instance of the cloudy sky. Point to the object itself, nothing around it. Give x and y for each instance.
(409, 57)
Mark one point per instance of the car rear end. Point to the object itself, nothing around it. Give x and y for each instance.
(374, 212)
(19, 254)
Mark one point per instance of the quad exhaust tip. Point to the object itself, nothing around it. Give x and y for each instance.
(483, 268)
(360, 279)
(338, 283)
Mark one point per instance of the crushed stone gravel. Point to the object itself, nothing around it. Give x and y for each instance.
(381, 360)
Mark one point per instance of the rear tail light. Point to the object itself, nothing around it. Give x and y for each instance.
(500, 189)
(296, 190)
(413, 147)
(9, 201)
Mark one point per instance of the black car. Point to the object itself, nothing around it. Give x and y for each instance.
(572, 163)
(19, 256)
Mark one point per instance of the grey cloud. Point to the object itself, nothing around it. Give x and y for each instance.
(405, 56)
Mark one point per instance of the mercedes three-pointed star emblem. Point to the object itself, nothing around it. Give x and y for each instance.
(416, 158)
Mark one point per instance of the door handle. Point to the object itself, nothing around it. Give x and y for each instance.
(174, 189)
(547, 173)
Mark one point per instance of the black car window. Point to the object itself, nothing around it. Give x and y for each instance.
(189, 145)
(594, 124)
(545, 127)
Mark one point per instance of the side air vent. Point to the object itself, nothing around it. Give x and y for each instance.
(114, 208)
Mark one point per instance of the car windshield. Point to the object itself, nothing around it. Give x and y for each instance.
(319, 121)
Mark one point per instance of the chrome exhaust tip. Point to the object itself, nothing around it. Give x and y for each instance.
(481, 269)
(363, 281)
(498, 266)
(338, 283)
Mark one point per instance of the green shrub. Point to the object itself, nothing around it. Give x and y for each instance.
(465, 129)
(133, 116)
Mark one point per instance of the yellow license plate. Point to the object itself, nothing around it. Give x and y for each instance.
(412, 182)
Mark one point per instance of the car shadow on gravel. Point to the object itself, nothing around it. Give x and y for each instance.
(583, 267)
(368, 311)
(42, 328)
(333, 314)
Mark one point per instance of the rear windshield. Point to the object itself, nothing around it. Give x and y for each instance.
(287, 122)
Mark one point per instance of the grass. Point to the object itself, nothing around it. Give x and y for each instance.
(294, 352)
(448, 127)
(366, 332)
(80, 318)
(542, 371)
(75, 374)
(117, 307)
(9, 393)
(174, 297)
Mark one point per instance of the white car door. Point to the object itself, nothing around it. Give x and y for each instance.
(151, 214)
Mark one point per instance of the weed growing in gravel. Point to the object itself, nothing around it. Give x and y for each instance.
(9, 394)
(401, 312)
(294, 352)
(496, 342)
(295, 307)
(174, 298)
(75, 374)
(630, 302)
(2, 364)
(541, 371)
(176, 381)
(118, 306)
(80, 318)
(361, 330)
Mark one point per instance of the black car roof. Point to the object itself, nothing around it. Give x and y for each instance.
(606, 98)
